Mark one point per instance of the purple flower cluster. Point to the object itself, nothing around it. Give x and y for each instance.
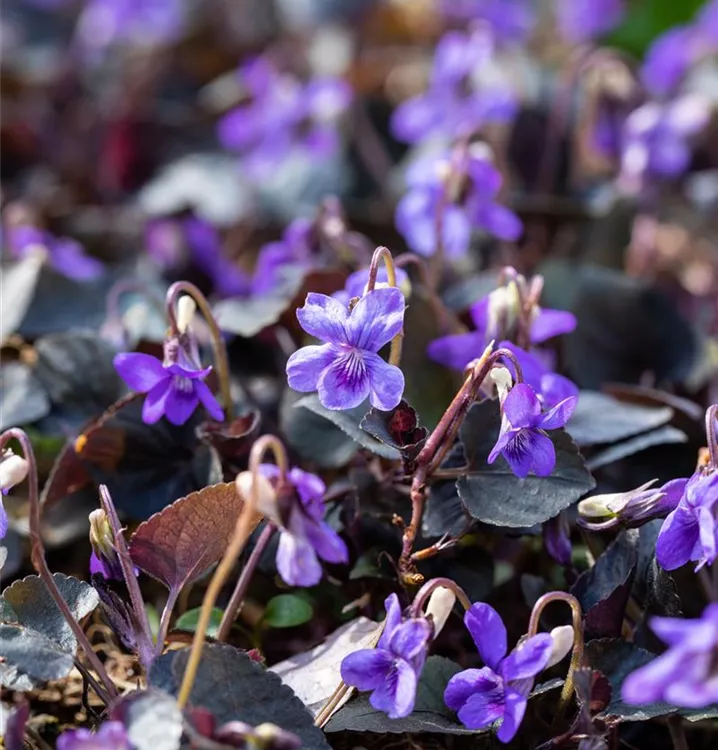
(346, 368)
(523, 441)
(656, 140)
(580, 21)
(690, 532)
(457, 192)
(283, 114)
(672, 55)
(466, 91)
(110, 736)
(687, 673)
(174, 242)
(392, 669)
(304, 535)
(174, 387)
(499, 691)
(65, 255)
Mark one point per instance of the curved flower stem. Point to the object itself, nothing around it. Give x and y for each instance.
(246, 523)
(37, 555)
(165, 620)
(712, 435)
(422, 596)
(438, 445)
(577, 652)
(218, 347)
(235, 603)
(144, 637)
(382, 253)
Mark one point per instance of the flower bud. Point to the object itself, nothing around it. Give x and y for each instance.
(503, 310)
(272, 737)
(266, 494)
(104, 560)
(562, 637)
(441, 603)
(635, 506)
(186, 308)
(13, 470)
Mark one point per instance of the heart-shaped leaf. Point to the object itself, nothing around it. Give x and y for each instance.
(312, 436)
(248, 693)
(603, 590)
(600, 418)
(493, 494)
(315, 674)
(23, 399)
(76, 368)
(146, 467)
(180, 543)
(662, 436)
(287, 611)
(349, 422)
(36, 642)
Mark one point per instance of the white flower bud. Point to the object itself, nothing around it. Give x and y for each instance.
(13, 470)
(441, 603)
(504, 309)
(266, 494)
(562, 637)
(186, 308)
(503, 381)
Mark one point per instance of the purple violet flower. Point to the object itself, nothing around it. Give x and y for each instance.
(466, 91)
(304, 536)
(392, 669)
(494, 317)
(65, 255)
(523, 441)
(511, 20)
(580, 21)
(672, 54)
(174, 387)
(465, 187)
(551, 387)
(355, 285)
(110, 736)
(656, 140)
(687, 673)
(347, 368)
(690, 532)
(499, 691)
(283, 114)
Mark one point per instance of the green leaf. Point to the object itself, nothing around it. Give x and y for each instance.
(287, 611)
(188, 621)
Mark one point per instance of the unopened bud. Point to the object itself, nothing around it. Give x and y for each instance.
(503, 310)
(105, 560)
(441, 603)
(503, 380)
(634, 506)
(13, 470)
(272, 737)
(266, 494)
(186, 308)
(562, 637)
